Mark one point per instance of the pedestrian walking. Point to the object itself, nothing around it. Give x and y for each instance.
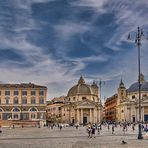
(124, 128)
(133, 127)
(113, 129)
(60, 127)
(0, 129)
(108, 127)
(93, 131)
(146, 128)
(89, 130)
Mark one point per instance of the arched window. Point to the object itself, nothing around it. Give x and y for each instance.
(16, 110)
(33, 109)
(1, 110)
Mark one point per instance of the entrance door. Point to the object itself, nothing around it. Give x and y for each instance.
(133, 118)
(146, 118)
(84, 120)
(73, 121)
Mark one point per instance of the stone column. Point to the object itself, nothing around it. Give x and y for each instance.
(81, 115)
(90, 118)
(92, 115)
(78, 116)
(95, 116)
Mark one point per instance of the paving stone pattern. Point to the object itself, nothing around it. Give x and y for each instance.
(69, 137)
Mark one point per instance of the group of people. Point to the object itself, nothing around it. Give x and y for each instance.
(91, 129)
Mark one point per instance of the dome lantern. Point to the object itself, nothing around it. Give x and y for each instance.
(81, 80)
(142, 79)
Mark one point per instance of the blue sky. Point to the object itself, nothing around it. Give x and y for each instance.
(54, 42)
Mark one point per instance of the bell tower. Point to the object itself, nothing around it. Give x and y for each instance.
(121, 92)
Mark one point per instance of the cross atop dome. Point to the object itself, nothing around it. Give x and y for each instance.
(81, 80)
(142, 79)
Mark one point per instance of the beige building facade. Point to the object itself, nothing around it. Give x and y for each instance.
(22, 103)
(82, 104)
(128, 102)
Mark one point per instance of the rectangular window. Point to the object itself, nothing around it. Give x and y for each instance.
(24, 93)
(41, 92)
(133, 97)
(0, 101)
(7, 101)
(33, 101)
(15, 101)
(33, 93)
(41, 100)
(7, 93)
(16, 93)
(6, 116)
(0, 93)
(24, 101)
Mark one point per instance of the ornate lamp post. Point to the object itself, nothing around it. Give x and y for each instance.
(138, 36)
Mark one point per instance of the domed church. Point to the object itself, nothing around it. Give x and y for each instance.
(128, 101)
(82, 104)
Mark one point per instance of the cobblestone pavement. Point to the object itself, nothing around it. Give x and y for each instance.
(69, 137)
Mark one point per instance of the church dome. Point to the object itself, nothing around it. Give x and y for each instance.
(80, 89)
(135, 86)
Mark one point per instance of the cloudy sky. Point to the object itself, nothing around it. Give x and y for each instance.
(54, 42)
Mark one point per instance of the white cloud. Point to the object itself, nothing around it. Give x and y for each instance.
(128, 17)
(26, 4)
(44, 69)
(66, 30)
(97, 5)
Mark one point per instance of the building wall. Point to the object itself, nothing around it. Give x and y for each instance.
(33, 109)
(110, 108)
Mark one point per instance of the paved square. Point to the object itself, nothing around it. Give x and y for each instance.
(69, 137)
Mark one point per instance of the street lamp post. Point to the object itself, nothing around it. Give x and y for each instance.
(138, 38)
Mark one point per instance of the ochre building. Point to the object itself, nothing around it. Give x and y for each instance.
(110, 106)
(54, 110)
(22, 104)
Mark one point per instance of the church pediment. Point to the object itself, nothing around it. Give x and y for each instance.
(86, 103)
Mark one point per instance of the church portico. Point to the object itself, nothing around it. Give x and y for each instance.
(86, 115)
